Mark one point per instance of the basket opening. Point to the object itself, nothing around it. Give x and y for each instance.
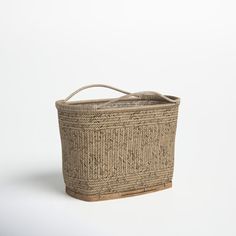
(134, 102)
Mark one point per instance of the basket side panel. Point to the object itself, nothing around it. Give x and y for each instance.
(117, 152)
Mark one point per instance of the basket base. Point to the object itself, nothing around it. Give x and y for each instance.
(109, 196)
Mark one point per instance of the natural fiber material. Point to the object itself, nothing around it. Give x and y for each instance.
(117, 147)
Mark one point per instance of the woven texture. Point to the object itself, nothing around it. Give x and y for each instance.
(125, 146)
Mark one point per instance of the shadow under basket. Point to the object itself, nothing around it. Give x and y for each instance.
(120, 147)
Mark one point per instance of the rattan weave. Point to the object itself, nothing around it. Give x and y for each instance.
(118, 147)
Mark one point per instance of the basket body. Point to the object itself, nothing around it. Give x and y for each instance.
(125, 149)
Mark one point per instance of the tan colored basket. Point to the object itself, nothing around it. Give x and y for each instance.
(117, 147)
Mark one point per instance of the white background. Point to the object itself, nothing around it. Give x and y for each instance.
(49, 48)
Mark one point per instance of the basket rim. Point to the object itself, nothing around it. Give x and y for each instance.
(75, 105)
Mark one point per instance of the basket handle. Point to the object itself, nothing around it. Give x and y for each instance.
(92, 86)
(148, 95)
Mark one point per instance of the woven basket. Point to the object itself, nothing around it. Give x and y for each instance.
(117, 147)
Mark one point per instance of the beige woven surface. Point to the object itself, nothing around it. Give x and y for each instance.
(123, 146)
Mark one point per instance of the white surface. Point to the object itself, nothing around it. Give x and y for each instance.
(185, 48)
